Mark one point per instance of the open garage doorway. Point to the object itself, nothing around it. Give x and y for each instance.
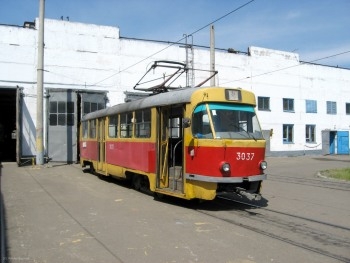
(10, 109)
(335, 142)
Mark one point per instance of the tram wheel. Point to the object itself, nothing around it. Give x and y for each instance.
(158, 196)
(137, 182)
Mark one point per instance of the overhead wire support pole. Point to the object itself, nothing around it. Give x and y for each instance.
(40, 88)
(212, 54)
(186, 48)
(174, 43)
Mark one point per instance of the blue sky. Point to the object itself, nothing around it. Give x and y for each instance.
(315, 29)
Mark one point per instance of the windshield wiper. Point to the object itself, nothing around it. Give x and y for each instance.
(241, 129)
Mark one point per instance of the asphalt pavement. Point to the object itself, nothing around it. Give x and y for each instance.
(47, 216)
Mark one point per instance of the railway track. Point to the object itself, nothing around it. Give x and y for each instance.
(327, 239)
(316, 181)
(323, 238)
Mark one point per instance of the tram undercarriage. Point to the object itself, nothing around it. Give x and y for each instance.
(250, 190)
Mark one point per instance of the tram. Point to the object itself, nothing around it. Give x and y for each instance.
(191, 143)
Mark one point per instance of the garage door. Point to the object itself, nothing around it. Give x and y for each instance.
(343, 142)
(65, 108)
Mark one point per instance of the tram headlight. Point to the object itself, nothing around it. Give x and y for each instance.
(263, 165)
(225, 167)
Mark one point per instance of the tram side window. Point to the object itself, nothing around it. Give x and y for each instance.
(174, 126)
(113, 126)
(92, 131)
(143, 123)
(126, 125)
(85, 129)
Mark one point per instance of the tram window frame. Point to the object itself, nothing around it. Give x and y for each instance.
(175, 127)
(92, 129)
(201, 122)
(126, 125)
(85, 129)
(143, 123)
(113, 125)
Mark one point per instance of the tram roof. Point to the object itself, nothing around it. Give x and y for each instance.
(168, 98)
(178, 96)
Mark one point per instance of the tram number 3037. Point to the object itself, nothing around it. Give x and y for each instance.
(243, 156)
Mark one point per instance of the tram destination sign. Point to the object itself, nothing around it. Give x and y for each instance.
(233, 94)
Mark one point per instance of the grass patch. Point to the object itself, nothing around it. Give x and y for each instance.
(342, 174)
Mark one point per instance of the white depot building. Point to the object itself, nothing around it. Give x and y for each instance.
(303, 108)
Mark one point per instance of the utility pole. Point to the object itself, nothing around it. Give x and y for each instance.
(212, 54)
(189, 61)
(40, 88)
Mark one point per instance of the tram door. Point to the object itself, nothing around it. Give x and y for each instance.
(170, 149)
(163, 143)
(101, 145)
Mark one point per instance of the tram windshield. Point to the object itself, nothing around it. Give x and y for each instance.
(225, 121)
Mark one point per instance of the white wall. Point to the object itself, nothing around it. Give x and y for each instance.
(86, 56)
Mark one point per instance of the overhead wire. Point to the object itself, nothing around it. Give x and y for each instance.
(198, 30)
(330, 56)
(173, 43)
(285, 68)
(222, 17)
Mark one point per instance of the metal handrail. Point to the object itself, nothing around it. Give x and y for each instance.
(174, 181)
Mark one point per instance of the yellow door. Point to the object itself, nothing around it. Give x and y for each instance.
(101, 145)
(163, 143)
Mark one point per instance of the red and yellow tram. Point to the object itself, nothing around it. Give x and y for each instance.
(189, 143)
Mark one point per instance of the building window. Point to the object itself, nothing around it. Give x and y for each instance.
(61, 113)
(288, 105)
(311, 106)
(263, 103)
(310, 133)
(288, 133)
(92, 106)
(347, 108)
(331, 107)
